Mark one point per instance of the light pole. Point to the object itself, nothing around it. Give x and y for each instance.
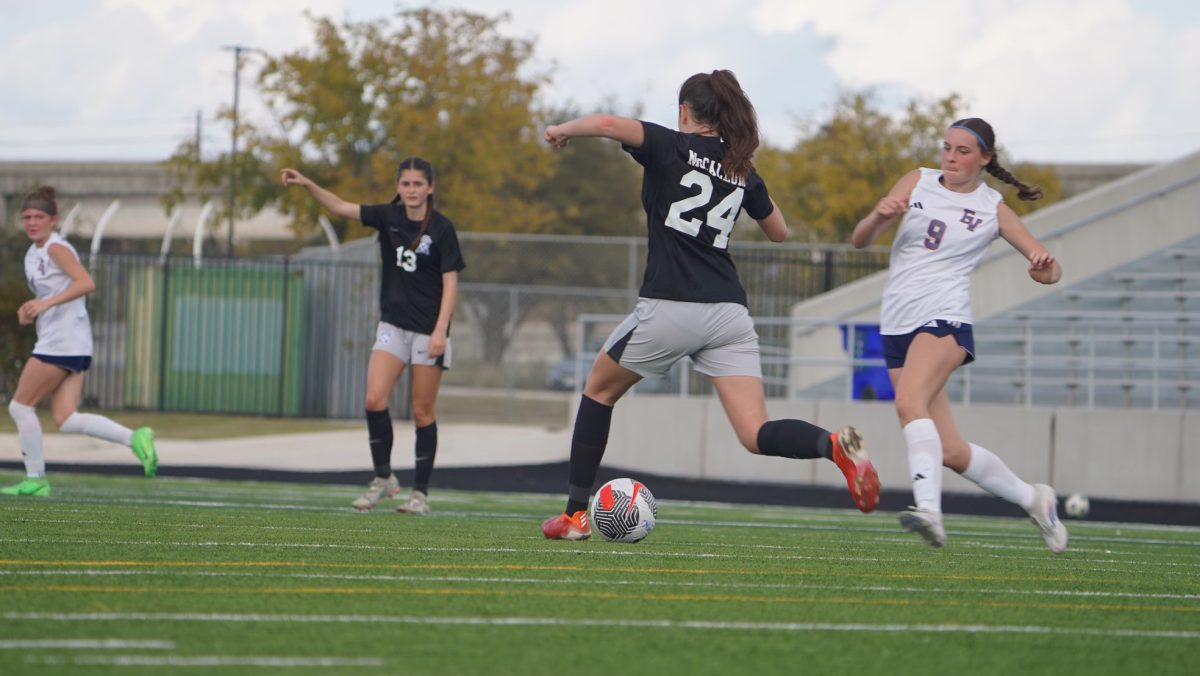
(233, 174)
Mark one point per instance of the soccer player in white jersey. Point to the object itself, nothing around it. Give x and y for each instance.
(949, 217)
(421, 260)
(696, 182)
(63, 351)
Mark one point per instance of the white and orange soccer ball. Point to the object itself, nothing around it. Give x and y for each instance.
(623, 510)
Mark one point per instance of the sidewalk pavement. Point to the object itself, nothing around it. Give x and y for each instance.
(459, 445)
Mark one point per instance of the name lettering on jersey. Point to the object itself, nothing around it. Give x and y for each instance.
(969, 218)
(713, 168)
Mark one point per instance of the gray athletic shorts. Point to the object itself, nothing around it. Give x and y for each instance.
(719, 337)
(409, 347)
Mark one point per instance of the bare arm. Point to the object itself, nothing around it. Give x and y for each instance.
(332, 203)
(437, 339)
(1043, 268)
(81, 285)
(893, 205)
(623, 129)
(774, 224)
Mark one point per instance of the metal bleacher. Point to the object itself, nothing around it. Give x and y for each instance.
(1122, 329)
(1125, 338)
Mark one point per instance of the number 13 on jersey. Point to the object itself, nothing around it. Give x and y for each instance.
(721, 217)
(406, 259)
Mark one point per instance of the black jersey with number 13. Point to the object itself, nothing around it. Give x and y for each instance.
(691, 206)
(410, 293)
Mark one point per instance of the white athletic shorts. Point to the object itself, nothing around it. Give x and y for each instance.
(719, 337)
(409, 347)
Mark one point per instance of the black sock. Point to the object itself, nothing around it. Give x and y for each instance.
(379, 429)
(794, 439)
(425, 453)
(587, 449)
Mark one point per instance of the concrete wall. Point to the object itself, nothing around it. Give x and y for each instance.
(138, 185)
(1136, 455)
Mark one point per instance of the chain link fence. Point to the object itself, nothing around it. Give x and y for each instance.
(291, 336)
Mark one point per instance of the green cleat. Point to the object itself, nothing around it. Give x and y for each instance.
(143, 447)
(39, 487)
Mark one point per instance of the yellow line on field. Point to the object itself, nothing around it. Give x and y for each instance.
(793, 572)
(602, 595)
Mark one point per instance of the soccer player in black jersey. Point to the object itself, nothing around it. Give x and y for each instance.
(421, 260)
(696, 182)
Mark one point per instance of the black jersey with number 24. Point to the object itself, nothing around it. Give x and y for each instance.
(691, 206)
(410, 293)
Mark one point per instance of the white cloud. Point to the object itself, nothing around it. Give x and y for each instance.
(125, 78)
(1060, 79)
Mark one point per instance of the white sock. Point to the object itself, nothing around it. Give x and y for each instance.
(992, 475)
(29, 438)
(925, 463)
(97, 426)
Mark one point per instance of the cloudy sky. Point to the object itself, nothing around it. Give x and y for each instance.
(1060, 80)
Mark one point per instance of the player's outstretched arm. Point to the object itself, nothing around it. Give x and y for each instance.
(332, 203)
(1043, 268)
(623, 129)
(893, 205)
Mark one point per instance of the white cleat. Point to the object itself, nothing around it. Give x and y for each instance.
(418, 504)
(378, 489)
(1044, 514)
(925, 523)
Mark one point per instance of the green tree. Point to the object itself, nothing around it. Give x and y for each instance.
(595, 190)
(841, 166)
(16, 341)
(444, 85)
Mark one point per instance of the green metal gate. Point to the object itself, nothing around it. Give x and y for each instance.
(221, 339)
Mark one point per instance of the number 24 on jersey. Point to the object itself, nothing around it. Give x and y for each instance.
(721, 217)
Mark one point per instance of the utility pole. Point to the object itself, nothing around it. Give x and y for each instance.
(199, 132)
(233, 174)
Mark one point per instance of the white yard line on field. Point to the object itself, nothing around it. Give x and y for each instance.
(597, 622)
(208, 661)
(83, 644)
(572, 551)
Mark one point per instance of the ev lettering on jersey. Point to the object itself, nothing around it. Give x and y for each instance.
(968, 217)
(713, 168)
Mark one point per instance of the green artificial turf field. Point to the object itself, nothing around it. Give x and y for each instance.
(122, 575)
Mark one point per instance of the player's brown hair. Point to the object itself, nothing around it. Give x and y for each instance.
(717, 99)
(42, 199)
(423, 166)
(983, 133)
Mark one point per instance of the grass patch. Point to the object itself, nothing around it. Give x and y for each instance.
(246, 576)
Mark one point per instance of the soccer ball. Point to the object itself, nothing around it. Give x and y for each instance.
(623, 510)
(1077, 506)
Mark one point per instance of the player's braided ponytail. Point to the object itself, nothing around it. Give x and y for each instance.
(982, 131)
(1024, 191)
(717, 99)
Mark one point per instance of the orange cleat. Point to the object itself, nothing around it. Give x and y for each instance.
(861, 477)
(564, 527)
